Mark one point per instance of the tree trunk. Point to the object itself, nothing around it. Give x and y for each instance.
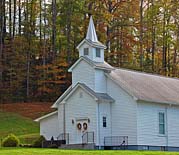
(2, 35)
(40, 26)
(54, 16)
(28, 75)
(27, 34)
(68, 31)
(141, 35)
(10, 18)
(44, 45)
(19, 7)
(164, 46)
(1, 40)
(153, 39)
(14, 19)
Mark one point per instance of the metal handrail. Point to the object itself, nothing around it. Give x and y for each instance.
(88, 137)
(63, 136)
(116, 141)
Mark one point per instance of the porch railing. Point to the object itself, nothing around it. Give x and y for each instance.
(121, 141)
(88, 137)
(64, 136)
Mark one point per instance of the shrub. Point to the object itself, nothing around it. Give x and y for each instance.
(38, 143)
(10, 141)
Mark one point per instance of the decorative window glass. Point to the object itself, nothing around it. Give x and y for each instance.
(104, 122)
(98, 52)
(161, 123)
(86, 51)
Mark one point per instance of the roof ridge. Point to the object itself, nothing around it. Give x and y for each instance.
(146, 86)
(146, 73)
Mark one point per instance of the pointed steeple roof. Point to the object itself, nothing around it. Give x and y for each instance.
(91, 37)
(91, 34)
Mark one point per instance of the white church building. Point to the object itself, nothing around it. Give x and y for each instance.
(113, 107)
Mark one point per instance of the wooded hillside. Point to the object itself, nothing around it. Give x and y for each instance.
(38, 40)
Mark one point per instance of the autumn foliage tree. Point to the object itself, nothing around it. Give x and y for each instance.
(38, 40)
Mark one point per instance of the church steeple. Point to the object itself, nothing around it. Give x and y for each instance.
(90, 47)
(91, 33)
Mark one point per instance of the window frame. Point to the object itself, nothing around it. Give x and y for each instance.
(104, 120)
(84, 51)
(98, 50)
(163, 123)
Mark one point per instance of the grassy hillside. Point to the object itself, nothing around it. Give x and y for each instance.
(26, 129)
(19, 151)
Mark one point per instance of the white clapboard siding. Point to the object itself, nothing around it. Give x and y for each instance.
(83, 73)
(173, 126)
(61, 118)
(98, 59)
(90, 51)
(100, 81)
(49, 127)
(124, 113)
(148, 124)
(104, 111)
(80, 105)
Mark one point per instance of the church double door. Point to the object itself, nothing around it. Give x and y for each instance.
(81, 129)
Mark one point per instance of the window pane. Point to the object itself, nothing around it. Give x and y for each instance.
(161, 123)
(161, 129)
(104, 122)
(98, 54)
(86, 51)
(161, 117)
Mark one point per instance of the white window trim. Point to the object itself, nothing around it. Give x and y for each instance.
(84, 51)
(106, 121)
(99, 52)
(159, 134)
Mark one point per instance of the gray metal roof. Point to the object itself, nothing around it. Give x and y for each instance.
(91, 37)
(60, 99)
(91, 33)
(96, 43)
(147, 87)
(99, 96)
(101, 65)
(46, 116)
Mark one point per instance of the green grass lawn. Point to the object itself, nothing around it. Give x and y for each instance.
(25, 128)
(30, 151)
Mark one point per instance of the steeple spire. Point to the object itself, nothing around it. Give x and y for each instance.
(91, 34)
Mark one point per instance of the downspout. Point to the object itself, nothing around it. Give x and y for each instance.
(64, 124)
(99, 127)
(166, 111)
(111, 116)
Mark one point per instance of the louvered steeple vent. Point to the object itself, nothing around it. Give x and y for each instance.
(90, 47)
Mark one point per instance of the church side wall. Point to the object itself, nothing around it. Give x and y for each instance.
(104, 111)
(148, 125)
(83, 73)
(49, 127)
(61, 118)
(123, 113)
(100, 81)
(173, 125)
